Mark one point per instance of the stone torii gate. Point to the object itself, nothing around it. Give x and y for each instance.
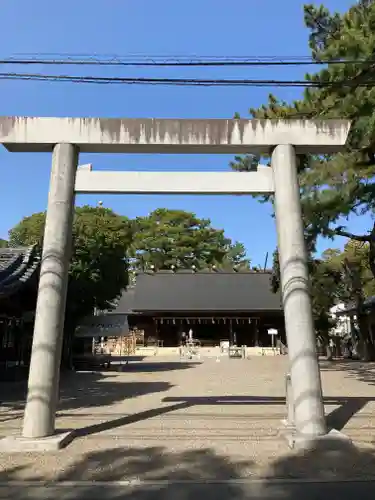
(66, 137)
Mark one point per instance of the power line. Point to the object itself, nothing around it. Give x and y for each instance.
(184, 81)
(141, 55)
(177, 61)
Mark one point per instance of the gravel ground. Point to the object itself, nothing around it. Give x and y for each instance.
(166, 419)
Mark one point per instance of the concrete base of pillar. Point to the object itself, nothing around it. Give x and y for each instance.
(332, 440)
(18, 444)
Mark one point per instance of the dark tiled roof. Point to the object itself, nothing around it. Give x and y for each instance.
(203, 291)
(17, 267)
(126, 302)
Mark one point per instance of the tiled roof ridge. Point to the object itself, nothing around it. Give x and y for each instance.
(204, 271)
(19, 269)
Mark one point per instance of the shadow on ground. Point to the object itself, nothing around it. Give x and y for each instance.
(81, 390)
(347, 407)
(87, 390)
(157, 366)
(158, 474)
(92, 390)
(337, 419)
(125, 359)
(360, 370)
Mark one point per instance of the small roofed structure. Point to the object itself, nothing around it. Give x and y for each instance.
(19, 272)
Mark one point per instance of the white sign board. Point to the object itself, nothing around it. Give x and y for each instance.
(272, 331)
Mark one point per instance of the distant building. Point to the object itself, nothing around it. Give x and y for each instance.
(235, 306)
(347, 317)
(343, 321)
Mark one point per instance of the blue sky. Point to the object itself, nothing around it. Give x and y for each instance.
(167, 27)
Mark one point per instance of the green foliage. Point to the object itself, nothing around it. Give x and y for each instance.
(235, 257)
(104, 243)
(3, 243)
(99, 263)
(325, 282)
(28, 232)
(354, 260)
(339, 276)
(98, 269)
(167, 238)
(357, 282)
(247, 163)
(338, 185)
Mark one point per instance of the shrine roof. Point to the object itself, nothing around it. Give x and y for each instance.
(18, 266)
(201, 291)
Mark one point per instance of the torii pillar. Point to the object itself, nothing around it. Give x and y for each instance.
(67, 136)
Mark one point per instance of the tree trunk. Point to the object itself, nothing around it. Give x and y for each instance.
(324, 338)
(371, 254)
(366, 344)
(338, 351)
(367, 350)
(329, 353)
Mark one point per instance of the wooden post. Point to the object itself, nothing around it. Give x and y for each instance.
(256, 331)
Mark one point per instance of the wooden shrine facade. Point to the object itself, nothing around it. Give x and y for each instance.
(235, 306)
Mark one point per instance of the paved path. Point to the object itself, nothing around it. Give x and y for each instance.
(168, 420)
(188, 491)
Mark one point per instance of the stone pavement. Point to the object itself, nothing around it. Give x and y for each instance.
(181, 421)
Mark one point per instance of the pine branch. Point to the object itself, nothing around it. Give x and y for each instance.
(351, 236)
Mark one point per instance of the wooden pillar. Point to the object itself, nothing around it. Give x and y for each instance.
(256, 333)
(230, 332)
